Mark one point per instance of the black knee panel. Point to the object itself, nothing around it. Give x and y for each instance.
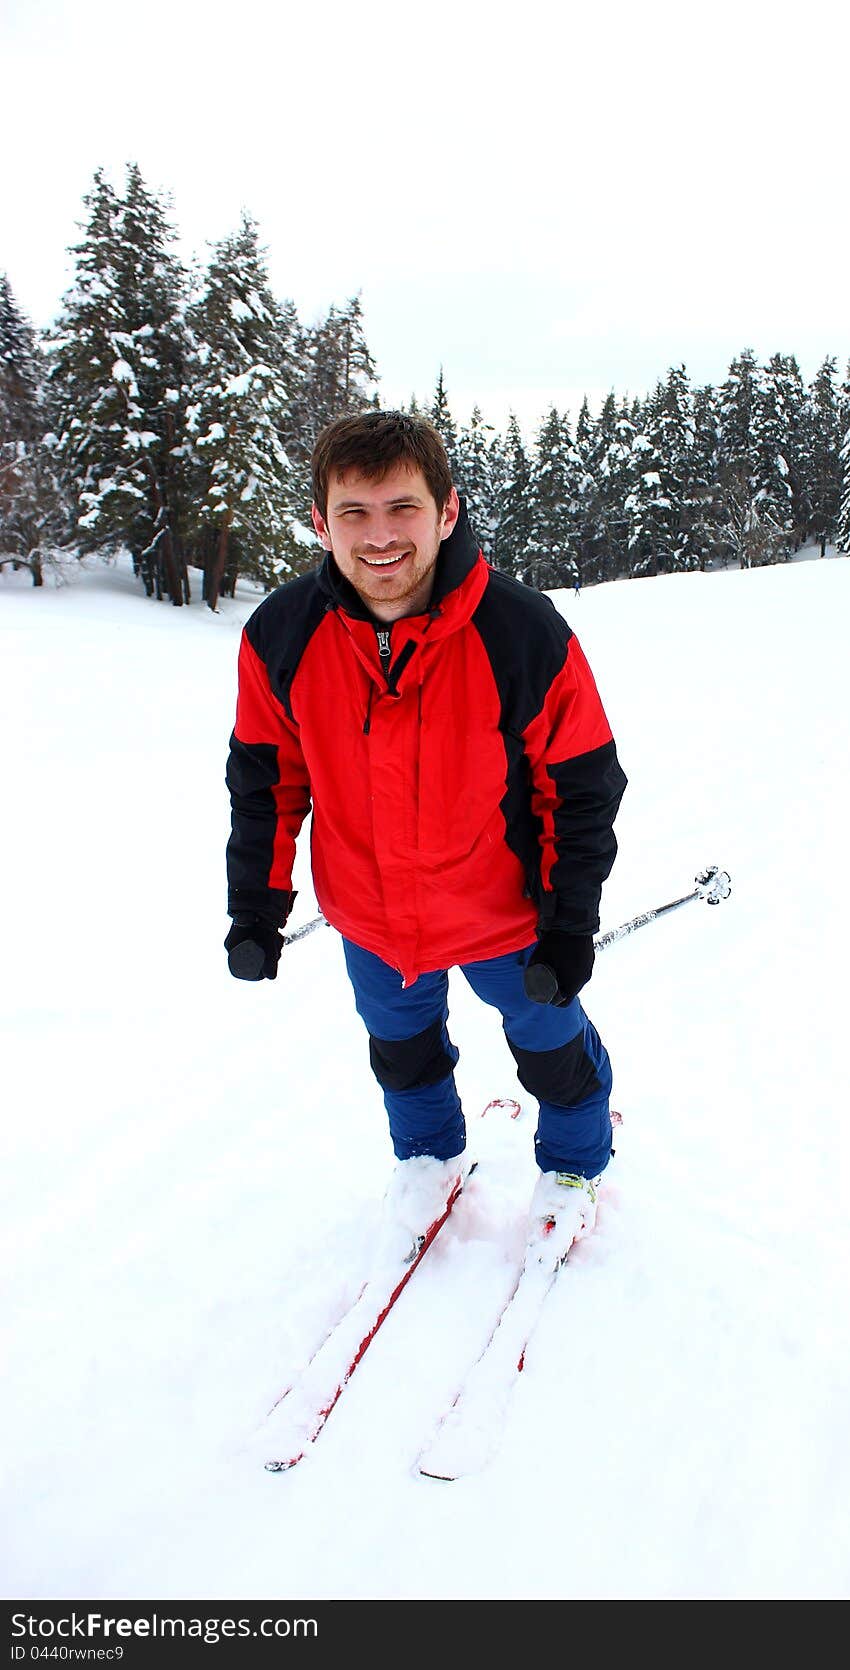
(408, 1063)
(563, 1076)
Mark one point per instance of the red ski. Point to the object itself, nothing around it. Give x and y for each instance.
(300, 1414)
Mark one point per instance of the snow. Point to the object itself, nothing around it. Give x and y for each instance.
(123, 373)
(216, 432)
(237, 387)
(193, 1167)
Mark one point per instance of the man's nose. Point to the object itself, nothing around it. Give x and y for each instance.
(378, 534)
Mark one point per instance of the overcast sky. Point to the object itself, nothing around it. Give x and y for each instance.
(545, 203)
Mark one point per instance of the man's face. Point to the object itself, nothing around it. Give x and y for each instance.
(386, 536)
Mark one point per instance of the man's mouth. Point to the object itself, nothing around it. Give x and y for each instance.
(391, 561)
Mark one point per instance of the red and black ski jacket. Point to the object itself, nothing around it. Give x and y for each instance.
(461, 802)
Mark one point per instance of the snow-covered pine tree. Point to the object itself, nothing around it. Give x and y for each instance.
(238, 410)
(33, 517)
(19, 371)
(550, 560)
(673, 432)
(474, 478)
(338, 374)
(116, 382)
(588, 535)
(153, 343)
(824, 454)
(85, 399)
(736, 407)
(647, 504)
(617, 467)
(514, 509)
(296, 432)
(750, 530)
(796, 414)
(500, 467)
(777, 434)
(441, 416)
(842, 531)
(705, 540)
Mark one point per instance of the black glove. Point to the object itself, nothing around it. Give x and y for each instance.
(558, 967)
(253, 948)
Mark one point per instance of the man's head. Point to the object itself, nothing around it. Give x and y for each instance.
(383, 503)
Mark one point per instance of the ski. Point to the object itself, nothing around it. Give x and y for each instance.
(301, 1412)
(469, 1433)
(307, 1401)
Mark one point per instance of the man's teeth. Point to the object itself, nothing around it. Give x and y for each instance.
(382, 562)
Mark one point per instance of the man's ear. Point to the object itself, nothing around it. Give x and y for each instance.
(321, 527)
(451, 512)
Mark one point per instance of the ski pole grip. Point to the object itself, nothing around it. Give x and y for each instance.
(246, 960)
(541, 983)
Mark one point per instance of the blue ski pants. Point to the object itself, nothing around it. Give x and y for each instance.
(559, 1056)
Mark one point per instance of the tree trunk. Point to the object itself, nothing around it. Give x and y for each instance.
(219, 561)
(166, 559)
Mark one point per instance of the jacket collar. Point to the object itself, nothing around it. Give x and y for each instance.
(456, 559)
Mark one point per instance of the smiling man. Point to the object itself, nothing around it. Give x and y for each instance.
(442, 723)
(385, 537)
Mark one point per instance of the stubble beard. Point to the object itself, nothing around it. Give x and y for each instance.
(416, 576)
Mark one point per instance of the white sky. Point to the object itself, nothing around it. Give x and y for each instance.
(546, 203)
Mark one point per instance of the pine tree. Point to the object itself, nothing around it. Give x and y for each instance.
(33, 517)
(551, 561)
(85, 399)
(602, 476)
(616, 464)
(775, 441)
(648, 507)
(513, 534)
(238, 410)
(824, 479)
(441, 417)
(737, 414)
(705, 538)
(338, 375)
(152, 284)
(116, 382)
(296, 433)
(19, 376)
(791, 398)
(474, 479)
(588, 533)
(842, 531)
(673, 431)
(753, 527)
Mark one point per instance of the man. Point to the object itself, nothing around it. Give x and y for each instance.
(442, 722)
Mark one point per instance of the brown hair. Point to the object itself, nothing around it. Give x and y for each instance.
(371, 443)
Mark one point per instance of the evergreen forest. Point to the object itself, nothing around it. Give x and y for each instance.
(170, 412)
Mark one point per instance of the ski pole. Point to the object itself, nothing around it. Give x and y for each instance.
(712, 885)
(307, 928)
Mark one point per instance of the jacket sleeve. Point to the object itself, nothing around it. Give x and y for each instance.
(577, 784)
(269, 795)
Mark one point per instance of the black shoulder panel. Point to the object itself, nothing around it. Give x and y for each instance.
(281, 628)
(526, 642)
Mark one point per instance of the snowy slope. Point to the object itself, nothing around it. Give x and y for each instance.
(191, 1166)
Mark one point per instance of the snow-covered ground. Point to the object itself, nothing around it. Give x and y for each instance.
(192, 1166)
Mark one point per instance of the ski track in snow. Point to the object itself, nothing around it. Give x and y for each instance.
(192, 1166)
